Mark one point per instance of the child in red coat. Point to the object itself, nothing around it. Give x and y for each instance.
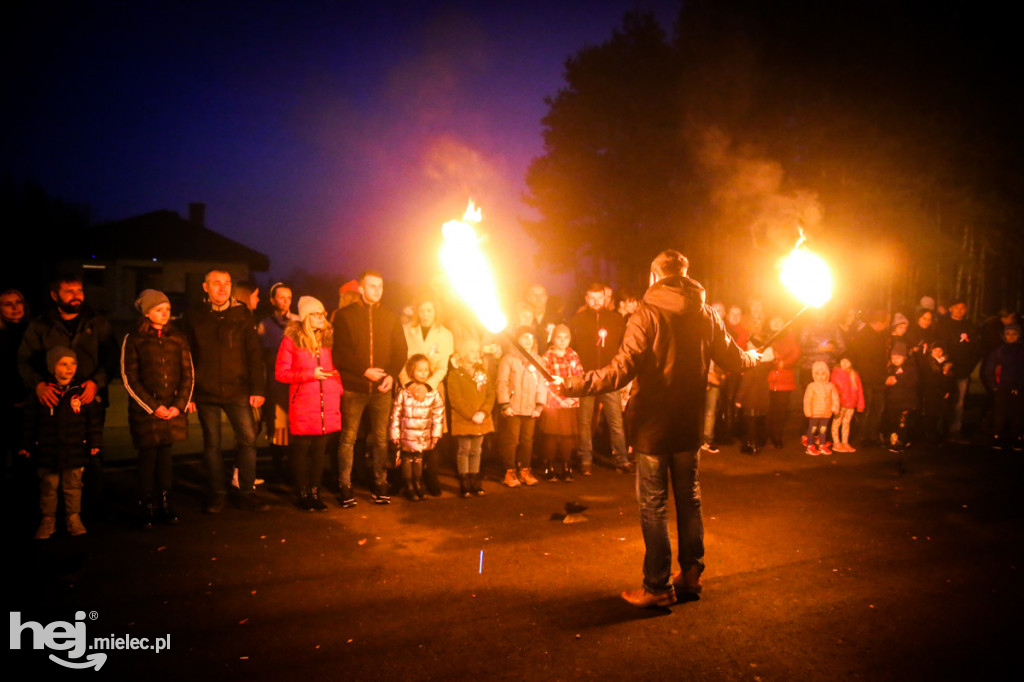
(851, 397)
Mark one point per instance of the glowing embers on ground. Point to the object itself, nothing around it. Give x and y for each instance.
(468, 270)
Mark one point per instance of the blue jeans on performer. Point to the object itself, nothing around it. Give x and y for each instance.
(653, 473)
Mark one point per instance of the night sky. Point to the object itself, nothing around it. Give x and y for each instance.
(332, 136)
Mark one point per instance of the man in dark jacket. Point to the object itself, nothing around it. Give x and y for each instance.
(963, 346)
(73, 325)
(596, 335)
(369, 351)
(668, 344)
(228, 376)
(869, 351)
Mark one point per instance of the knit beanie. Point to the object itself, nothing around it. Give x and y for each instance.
(56, 354)
(309, 305)
(928, 303)
(149, 299)
(898, 319)
(899, 348)
(1013, 326)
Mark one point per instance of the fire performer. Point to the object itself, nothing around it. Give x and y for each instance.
(668, 344)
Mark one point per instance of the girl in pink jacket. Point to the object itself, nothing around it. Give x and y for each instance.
(314, 397)
(851, 397)
(821, 401)
(417, 421)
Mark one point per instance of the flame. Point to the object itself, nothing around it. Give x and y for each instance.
(807, 276)
(468, 269)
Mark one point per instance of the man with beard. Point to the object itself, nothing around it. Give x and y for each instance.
(70, 324)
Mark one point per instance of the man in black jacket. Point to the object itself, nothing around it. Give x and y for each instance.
(229, 376)
(668, 344)
(70, 324)
(596, 335)
(369, 351)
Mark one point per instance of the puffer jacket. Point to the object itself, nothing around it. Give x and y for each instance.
(415, 423)
(314, 406)
(821, 400)
(156, 367)
(520, 385)
(669, 343)
(62, 437)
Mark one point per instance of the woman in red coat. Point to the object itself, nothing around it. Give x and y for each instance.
(314, 397)
(781, 380)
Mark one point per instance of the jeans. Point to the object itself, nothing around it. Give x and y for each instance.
(710, 410)
(612, 408)
(653, 473)
(958, 409)
(242, 423)
(468, 455)
(352, 406)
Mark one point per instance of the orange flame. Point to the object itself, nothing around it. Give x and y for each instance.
(468, 270)
(807, 276)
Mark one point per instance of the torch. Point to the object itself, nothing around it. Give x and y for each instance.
(808, 278)
(471, 276)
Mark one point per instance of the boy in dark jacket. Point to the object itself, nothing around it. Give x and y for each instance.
(1004, 371)
(61, 439)
(901, 398)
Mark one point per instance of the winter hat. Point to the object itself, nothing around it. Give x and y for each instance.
(58, 353)
(149, 299)
(309, 305)
(898, 319)
(1013, 326)
(927, 302)
(819, 365)
(899, 348)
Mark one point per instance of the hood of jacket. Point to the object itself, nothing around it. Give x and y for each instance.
(677, 294)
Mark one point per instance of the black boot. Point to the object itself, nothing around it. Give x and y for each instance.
(304, 502)
(408, 492)
(417, 488)
(475, 484)
(465, 485)
(147, 513)
(315, 503)
(167, 513)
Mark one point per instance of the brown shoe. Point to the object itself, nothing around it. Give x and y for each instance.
(688, 582)
(47, 527)
(510, 479)
(642, 599)
(527, 477)
(75, 525)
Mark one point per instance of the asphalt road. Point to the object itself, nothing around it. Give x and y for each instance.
(861, 566)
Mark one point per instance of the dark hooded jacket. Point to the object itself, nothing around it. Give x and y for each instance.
(227, 354)
(669, 342)
(367, 336)
(88, 335)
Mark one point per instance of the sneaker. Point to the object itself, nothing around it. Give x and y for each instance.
(586, 469)
(848, 448)
(688, 582)
(75, 526)
(710, 448)
(642, 599)
(315, 503)
(346, 497)
(627, 468)
(527, 477)
(825, 449)
(812, 449)
(510, 479)
(47, 527)
(381, 496)
(234, 479)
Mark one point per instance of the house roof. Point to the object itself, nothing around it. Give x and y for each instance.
(165, 235)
